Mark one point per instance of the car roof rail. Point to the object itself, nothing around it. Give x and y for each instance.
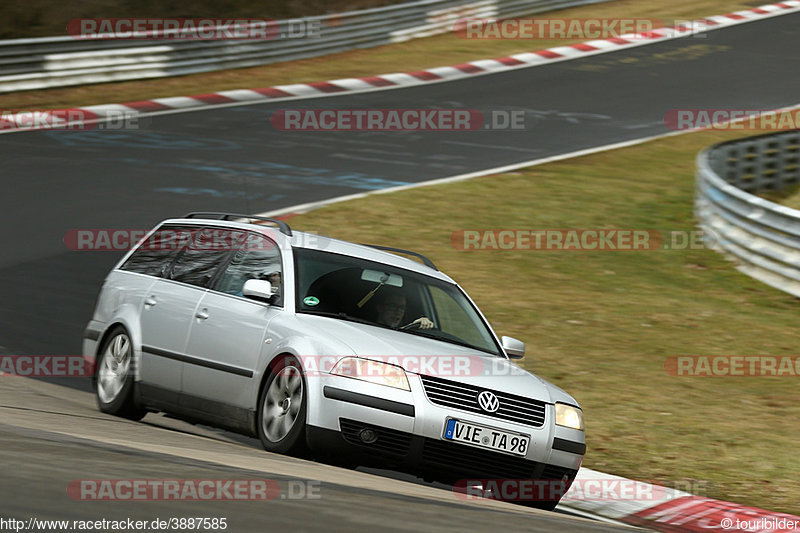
(214, 215)
(424, 259)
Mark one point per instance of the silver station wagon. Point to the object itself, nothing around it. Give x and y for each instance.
(350, 353)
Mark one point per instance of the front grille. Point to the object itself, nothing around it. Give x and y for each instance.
(390, 441)
(465, 398)
(475, 462)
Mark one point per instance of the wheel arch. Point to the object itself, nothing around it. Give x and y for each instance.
(269, 370)
(130, 323)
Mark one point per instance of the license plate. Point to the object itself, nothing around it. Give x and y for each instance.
(486, 437)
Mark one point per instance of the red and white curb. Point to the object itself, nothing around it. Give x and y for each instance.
(664, 509)
(480, 67)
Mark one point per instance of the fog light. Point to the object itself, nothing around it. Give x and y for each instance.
(367, 436)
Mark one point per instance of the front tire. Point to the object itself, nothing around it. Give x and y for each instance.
(113, 379)
(282, 409)
(544, 506)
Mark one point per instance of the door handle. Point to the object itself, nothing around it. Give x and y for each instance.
(202, 314)
(150, 301)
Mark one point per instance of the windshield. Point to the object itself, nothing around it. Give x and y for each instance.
(362, 291)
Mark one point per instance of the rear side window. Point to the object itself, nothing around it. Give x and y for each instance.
(156, 254)
(189, 254)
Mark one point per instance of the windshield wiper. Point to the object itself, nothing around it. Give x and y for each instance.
(341, 315)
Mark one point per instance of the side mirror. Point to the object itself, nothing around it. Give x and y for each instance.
(514, 348)
(257, 289)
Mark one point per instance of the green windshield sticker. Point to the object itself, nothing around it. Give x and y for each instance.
(311, 300)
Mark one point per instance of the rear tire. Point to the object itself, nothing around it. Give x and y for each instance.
(113, 379)
(282, 409)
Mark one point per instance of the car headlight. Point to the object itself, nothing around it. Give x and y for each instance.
(372, 371)
(569, 416)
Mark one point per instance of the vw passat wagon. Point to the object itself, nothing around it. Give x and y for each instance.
(353, 352)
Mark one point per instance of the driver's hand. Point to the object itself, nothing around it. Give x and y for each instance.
(424, 323)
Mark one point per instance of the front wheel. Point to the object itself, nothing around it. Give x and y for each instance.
(282, 408)
(114, 377)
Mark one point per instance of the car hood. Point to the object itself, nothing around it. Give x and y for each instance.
(420, 355)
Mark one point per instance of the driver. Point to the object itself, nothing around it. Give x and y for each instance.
(392, 309)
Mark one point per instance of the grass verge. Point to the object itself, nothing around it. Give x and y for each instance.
(601, 324)
(418, 54)
(790, 197)
(792, 201)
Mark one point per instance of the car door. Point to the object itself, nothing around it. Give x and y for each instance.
(228, 332)
(167, 312)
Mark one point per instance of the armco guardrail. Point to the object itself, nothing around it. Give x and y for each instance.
(763, 236)
(61, 61)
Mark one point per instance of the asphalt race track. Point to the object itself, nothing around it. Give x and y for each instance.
(51, 436)
(233, 159)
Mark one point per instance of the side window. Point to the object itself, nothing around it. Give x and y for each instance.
(202, 253)
(257, 259)
(197, 267)
(156, 254)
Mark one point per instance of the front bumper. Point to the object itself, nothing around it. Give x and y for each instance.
(409, 430)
